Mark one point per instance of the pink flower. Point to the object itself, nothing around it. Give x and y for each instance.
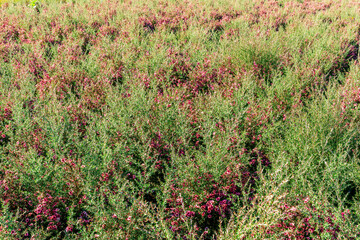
(69, 229)
(190, 214)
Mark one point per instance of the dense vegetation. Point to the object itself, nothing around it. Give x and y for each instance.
(191, 119)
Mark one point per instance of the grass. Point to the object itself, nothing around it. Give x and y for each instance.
(179, 120)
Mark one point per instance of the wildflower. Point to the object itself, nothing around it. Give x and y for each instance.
(190, 214)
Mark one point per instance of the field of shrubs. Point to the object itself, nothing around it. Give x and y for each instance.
(194, 119)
